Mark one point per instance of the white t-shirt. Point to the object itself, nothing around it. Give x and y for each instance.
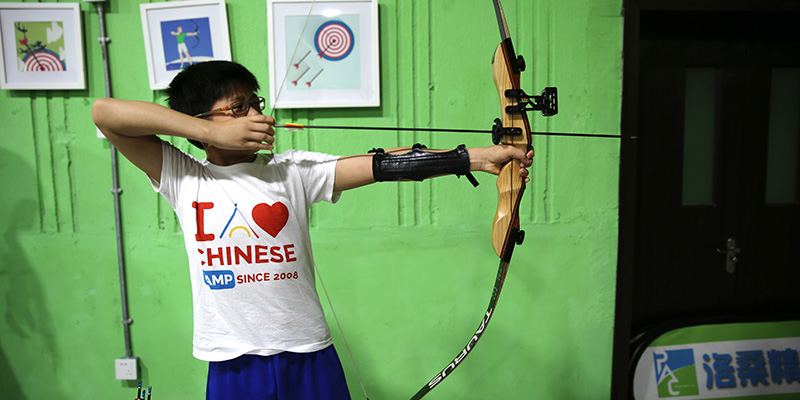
(246, 234)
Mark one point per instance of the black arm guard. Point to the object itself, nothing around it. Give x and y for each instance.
(419, 164)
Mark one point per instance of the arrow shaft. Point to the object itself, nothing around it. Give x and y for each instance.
(384, 128)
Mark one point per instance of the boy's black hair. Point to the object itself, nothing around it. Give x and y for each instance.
(195, 89)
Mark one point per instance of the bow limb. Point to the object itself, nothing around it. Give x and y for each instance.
(444, 373)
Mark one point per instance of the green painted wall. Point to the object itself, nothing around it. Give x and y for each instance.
(409, 267)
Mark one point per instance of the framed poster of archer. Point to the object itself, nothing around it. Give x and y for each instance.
(181, 33)
(42, 46)
(323, 53)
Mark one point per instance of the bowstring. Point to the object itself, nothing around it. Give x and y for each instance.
(308, 245)
(294, 53)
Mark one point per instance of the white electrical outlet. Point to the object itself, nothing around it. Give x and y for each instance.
(126, 369)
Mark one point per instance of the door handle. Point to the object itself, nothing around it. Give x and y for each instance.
(731, 257)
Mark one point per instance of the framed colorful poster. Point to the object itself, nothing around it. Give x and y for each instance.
(181, 33)
(323, 53)
(42, 46)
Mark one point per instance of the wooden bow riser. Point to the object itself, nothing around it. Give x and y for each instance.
(510, 185)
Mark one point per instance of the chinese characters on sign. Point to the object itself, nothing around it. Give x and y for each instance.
(758, 368)
(751, 368)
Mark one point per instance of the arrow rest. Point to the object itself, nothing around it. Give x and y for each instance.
(498, 131)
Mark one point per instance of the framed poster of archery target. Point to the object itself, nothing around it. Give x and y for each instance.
(323, 53)
(42, 46)
(181, 33)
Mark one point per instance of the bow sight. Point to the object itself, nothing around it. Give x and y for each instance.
(547, 103)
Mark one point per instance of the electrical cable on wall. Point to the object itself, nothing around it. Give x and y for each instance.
(126, 368)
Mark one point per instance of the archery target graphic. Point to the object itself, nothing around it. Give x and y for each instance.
(43, 60)
(327, 56)
(334, 40)
(40, 46)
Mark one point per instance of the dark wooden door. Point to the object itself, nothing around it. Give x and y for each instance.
(718, 220)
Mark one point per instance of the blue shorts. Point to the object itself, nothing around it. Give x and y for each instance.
(284, 376)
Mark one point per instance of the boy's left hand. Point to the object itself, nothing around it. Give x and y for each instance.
(491, 159)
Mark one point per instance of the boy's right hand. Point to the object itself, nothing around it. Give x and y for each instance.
(254, 132)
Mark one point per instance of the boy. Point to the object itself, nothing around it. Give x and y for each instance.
(244, 215)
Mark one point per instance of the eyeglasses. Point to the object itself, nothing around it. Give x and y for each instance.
(239, 108)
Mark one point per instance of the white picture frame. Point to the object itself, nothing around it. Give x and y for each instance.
(42, 46)
(181, 33)
(323, 53)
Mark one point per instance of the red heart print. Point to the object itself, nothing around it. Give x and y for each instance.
(271, 218)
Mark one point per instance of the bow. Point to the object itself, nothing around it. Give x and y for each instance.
(197, 36)
(512, 129)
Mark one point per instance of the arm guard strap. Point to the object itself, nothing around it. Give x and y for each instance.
(419, 164)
